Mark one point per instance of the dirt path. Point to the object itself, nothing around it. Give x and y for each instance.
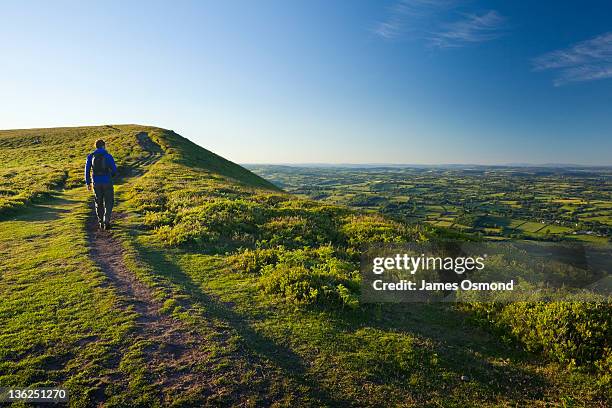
(171, 350)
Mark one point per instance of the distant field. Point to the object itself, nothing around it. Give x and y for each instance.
(493, 202)
(529, 226)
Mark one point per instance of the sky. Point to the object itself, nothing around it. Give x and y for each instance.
(319, 81)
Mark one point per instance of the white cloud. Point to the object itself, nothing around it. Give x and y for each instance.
(388, 29)
(473, 28)
(423, 19)
(584, 61)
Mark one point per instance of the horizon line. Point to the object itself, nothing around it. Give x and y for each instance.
(383, 164)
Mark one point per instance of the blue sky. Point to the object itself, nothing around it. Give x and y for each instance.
(413, 81)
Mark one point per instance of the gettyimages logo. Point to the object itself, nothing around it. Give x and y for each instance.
(481, 271)
(412, 264)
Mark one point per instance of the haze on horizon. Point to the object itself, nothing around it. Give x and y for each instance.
(401, 81)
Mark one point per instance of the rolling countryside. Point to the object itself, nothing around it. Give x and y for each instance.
(219, 287)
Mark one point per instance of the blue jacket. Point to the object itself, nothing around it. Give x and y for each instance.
(110, 162)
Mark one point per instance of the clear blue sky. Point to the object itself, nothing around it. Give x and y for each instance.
(414, 81)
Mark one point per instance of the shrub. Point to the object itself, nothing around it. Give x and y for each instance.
(184, 233)
(148, 201)
(575, 333)
(308, 276)
(230, 222)
(296, 231)
(157, 219)
(360, 230)
(253, 260)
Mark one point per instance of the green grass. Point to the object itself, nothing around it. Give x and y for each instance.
(20, 186)
(34, 162)
(602, 219)
(60, 322)
(412, 355)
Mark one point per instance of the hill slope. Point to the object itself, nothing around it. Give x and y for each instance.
(217, 289)
(34, 161)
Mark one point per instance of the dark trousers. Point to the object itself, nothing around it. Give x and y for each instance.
(105, 197)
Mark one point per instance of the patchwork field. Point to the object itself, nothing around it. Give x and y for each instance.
(496, 202)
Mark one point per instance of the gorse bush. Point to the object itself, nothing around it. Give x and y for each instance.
(219, 220)
(253, 260)
(295, 231)
(157, 219)
(364, 229)
(232, 216)
(304, 251)
(303, 276)
(574, 333)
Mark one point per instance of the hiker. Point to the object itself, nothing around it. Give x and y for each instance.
(102, 164)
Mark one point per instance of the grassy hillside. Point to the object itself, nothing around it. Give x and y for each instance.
(34, 162)
(217, 288)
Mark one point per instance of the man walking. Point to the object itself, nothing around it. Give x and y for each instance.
(103, 167)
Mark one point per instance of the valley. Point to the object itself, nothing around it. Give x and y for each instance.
(494, 202)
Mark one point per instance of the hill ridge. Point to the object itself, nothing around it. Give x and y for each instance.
(49, 158)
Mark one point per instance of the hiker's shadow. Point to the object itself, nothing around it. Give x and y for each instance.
(258, 345)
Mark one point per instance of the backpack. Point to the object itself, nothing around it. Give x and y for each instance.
(98, 164)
